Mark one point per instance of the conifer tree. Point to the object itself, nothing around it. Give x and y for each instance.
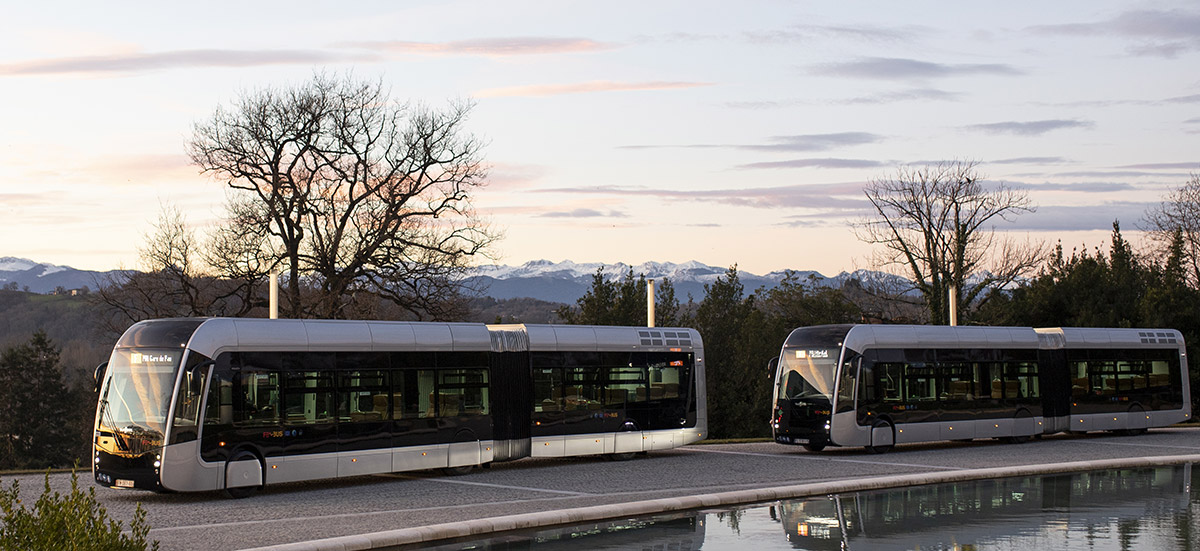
(38, 417)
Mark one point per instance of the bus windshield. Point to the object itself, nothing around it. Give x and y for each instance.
(136, 396)
(807, 373)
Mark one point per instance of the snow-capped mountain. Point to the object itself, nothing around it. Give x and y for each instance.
(40, 277)
(567, 281)
(563, 282)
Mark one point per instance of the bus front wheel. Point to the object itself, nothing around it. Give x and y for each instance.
(883, 432)
(241, 492)
(814, 447)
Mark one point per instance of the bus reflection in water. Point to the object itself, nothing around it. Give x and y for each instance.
(967, 513)
(880, 385)
(235, 404)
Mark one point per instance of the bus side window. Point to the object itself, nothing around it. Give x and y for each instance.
(218, 406)
(868, 384)
(846, 386)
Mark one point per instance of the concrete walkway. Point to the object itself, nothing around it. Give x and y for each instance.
(485, 526)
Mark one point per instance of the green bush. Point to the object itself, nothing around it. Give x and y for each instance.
(72, 522)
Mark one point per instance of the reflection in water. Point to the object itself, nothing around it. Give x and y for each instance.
(1130, 509)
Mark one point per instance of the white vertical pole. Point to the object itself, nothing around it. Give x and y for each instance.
(274, 296)
(649, 303)
(953, 307)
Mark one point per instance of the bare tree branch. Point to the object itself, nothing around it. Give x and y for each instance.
(937, 224)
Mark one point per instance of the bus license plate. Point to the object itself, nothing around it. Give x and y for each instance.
(799, 440)
(122, 483)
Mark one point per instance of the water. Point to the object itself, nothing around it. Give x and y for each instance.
(1117, 510)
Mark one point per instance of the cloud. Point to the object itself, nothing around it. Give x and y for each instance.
(1030, 161)
(584, 213)
(491, 47)
(815, 142)
(1080, 218)
(1160, 33)
(509, 177)
(887, 68)
(140, 62)
(796, 143)
(1118, 174)
(815, 163)
(825, 33)
(538, 90)
(1081, 187)
(1193, 165)
(1194, 98)
(843, 196)
(1029, 128)
(914, 94)
(761, 105)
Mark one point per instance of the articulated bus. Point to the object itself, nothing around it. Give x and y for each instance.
(235, 404)
(879, 385)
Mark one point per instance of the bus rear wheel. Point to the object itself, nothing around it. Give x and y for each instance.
(629, 426)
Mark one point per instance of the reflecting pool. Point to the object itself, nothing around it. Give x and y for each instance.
(1128, 509)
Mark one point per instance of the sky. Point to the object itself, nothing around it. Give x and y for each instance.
(727, 133)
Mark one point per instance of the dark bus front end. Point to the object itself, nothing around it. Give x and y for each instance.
(137, 466)
(142, 403)
(805, 386)
(802, 422)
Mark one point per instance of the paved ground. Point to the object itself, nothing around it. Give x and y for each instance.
(306, 511)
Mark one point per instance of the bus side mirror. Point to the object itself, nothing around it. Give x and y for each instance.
(772, 366)
(98, 375)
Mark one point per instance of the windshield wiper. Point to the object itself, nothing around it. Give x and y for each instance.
(106, 420)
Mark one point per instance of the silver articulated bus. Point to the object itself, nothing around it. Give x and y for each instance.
(879, 385)
(235, 404)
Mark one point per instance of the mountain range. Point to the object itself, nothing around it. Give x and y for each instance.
(563, 282)
(567, 281)
(39, 277)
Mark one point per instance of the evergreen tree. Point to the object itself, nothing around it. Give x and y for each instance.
(1113, 290)
(733, 379)
(38, 414)
(667, 310)
(622, 302)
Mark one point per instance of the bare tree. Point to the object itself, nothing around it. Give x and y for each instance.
(173, 279)
(937, 224)
(1179, 212)
(351, 193)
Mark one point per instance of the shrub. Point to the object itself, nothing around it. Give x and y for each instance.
(74, 522)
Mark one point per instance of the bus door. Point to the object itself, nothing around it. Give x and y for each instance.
(309, 411)
(364, 402)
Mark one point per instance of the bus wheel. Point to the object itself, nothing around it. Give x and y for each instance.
(458, 471)
(886, 428)
(629, 426)
(242, 492)
(1016, 439)
(814, 447)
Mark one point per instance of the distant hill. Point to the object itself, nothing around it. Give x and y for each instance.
(45, 278)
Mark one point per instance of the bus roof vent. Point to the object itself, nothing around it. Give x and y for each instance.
(650, 338)
(1157, 337)
(677, 338)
